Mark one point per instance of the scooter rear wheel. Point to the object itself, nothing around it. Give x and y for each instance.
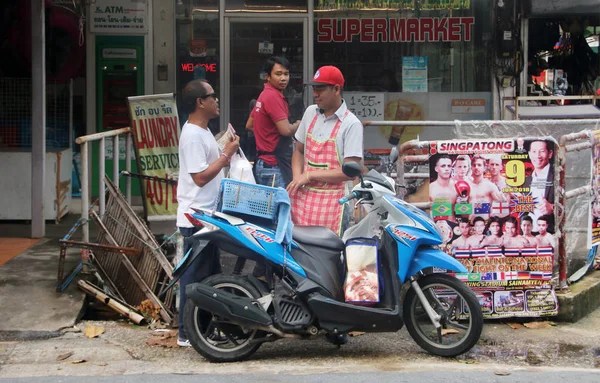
(461, 317)
(215, 338)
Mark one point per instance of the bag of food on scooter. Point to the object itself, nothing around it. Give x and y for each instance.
(362, 275)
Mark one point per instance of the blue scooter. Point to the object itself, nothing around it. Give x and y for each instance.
(228, 317)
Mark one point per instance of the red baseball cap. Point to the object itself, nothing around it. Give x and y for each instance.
(327, 75)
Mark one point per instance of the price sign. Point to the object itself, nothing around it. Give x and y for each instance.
(367, 106)
(265, 48)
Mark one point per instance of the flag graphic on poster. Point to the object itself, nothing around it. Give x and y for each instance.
(494, 251)
(529, 251)
(488, 276)
(540, 275)
(490, 227)
(481, 208)
(441, 209)
(474, 277)
(463, 208)
(478, 253)
(500, 209)
(461, 253)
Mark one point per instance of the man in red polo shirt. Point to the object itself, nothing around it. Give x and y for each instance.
(272, 130)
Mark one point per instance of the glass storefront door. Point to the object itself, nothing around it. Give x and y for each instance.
(249, 44)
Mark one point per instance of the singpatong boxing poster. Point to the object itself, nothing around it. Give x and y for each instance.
(494, 201)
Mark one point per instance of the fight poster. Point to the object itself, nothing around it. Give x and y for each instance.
(494, 201)
(594, 237)
(155, 127)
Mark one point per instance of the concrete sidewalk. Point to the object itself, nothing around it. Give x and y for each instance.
(31, 307)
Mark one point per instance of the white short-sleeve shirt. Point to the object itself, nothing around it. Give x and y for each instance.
(197, 150)
(349, 140)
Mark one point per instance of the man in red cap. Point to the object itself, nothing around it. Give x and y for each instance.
(328, 135)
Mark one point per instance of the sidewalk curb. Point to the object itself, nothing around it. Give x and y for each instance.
(580, 300)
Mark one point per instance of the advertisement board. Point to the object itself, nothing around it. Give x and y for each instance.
(494, 201)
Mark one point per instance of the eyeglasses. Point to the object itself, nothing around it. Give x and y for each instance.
(213, 95)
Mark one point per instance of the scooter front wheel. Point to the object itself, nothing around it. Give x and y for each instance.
(460, 317)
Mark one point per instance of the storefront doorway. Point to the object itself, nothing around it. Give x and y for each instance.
(248, 43)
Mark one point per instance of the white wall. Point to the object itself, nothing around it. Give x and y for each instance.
(164, 51)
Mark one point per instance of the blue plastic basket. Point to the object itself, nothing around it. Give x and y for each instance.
(245, 198)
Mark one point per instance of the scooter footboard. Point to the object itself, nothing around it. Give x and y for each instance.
(343, 317)
(426, 257)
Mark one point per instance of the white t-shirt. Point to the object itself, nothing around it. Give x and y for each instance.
(349, 140)
(197, 149)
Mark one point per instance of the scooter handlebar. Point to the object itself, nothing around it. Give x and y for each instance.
(347, 198)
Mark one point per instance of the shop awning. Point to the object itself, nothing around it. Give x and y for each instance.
(556, 112)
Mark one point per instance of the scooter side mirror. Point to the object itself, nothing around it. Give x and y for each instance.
(352, 169)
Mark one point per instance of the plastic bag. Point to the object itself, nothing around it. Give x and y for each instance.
(362, 273)
(240, 169)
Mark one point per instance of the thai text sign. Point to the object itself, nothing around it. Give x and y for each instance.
(494, 201)
(119, 16)
(417, 29)
(155, 127)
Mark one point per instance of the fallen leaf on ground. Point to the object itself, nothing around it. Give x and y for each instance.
(502, 373)
(537, 325)
(167, 339)
(93, 331)
(514, 325)
(64, 356)
(446, 331)
(533, 358)
(79, 361)
(356, 333)
(149, 310)
(467, 361)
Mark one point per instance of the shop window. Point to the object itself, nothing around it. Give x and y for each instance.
(447, 43)
(197, 32)
(259, 6)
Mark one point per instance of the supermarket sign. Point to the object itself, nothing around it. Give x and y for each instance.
(417, 29)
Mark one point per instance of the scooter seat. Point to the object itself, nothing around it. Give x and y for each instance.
(317, 236)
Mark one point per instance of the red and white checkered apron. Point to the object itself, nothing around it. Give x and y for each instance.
(318, 205)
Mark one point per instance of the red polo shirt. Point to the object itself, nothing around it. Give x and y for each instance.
(270, 108)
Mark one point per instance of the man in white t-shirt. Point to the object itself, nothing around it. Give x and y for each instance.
(200, 173)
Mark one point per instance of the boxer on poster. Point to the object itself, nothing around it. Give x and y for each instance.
(494, 230)
(483, 192)
(461, 168)
(511, 237)
(442, 189)
(495, 168)
(476, 240)
(544, 237)
(465, 229)
(526, 229)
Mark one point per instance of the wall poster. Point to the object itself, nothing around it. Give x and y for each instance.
(494, 201)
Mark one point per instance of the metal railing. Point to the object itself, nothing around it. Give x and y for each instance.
(517, 101)
(85, 171)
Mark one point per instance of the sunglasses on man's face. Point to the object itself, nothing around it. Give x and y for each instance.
(213, 95)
